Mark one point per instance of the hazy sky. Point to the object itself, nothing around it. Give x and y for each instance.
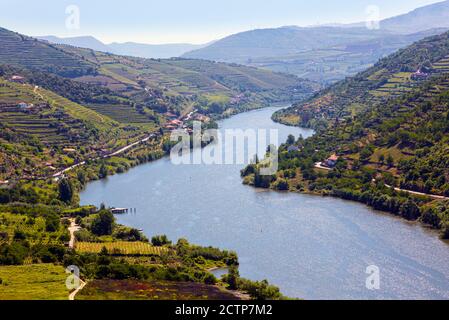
(195, 21)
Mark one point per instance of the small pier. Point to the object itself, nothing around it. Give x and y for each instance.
(119, 210)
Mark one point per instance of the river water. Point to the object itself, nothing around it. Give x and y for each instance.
(311, 247)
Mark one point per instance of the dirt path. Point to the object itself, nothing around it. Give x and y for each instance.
(72, 229)
(433, 196)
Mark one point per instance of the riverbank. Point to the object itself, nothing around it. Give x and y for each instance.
(373, 182)
(298, 231)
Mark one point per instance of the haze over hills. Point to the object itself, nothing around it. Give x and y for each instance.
(155, 51)
(428, 17)
(326, 53)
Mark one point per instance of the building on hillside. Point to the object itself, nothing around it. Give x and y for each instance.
(202, 118)
(17, 79)
(331, 162)
(176, 122)
(420, 75)
(170, 115)
(22, 106)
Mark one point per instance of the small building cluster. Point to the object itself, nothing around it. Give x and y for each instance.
(17, 79)
(420, 75)
(21, 107)
(331, 162)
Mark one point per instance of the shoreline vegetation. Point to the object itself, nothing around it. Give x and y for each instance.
(36, 216)
(64, 107)
(381, 138)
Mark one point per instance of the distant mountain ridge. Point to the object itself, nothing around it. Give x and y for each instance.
(155, 51)
(320, 53)
(421, 19)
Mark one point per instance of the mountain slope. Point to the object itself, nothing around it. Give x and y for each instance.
(20, 50)
(382, 138)
(155, 51)
(421, 19)
(150, 51)
(323, 54)
(280, 42)
(388, 78)
(82, 42)
(152, 87)
(327, 53)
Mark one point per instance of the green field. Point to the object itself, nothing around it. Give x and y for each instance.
(33, 282)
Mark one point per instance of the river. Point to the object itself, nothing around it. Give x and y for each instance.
(311, 247)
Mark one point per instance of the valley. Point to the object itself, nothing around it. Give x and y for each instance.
(94, 204)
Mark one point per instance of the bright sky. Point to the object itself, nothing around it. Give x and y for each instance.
(173, 21)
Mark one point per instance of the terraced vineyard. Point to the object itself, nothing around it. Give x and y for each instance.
(192, 78)
(78, 111)
(21, 50)
(120, 113)
(34, 228)
(391, 77)
(121, 248)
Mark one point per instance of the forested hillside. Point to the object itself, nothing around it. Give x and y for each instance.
(382, 138)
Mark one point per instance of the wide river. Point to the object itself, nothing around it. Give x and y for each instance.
(311, 247)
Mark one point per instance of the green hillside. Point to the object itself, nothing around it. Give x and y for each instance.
(176, 84)
(389, 78)
(148, 86)
(20, 50)
(388, 128)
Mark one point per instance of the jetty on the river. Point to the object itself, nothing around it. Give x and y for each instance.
(119, 210)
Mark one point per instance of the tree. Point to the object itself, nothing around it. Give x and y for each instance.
(232, 278)
(381, 159)
(290, 140)
(65, 191)
(210, 279)
(159, 241)
(52, 222)
(82, 177)
(104, 224)
(103, 173)
(410, 210)
(390, 161)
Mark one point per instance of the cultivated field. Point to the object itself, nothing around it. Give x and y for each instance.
(145, 290)
(121, 248)
(33, 282)
(34, 228)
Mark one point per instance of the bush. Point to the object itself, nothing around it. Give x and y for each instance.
(104, 224)
(13, 254)
(159, 241)
(445, 230)
(52, 222)
(410, 210)
(281, 184)
(210, 279)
